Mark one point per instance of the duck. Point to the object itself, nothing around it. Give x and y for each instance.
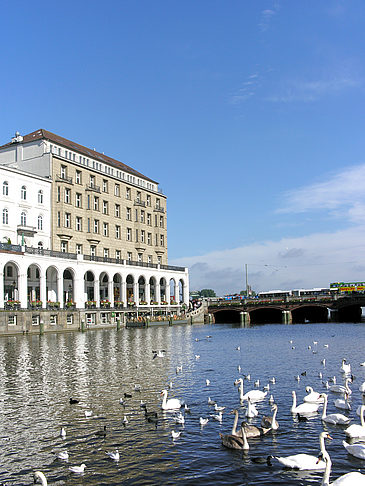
(203, 421)
(73, 401)
(271, 422)
(40, 477)
(233, 441)
(357, 450)
(345, 367)
(312, 397)
(63, 432)
(218, 408)
(77, 469)
(175, 435)
(101, 433)
(341, 388)
(218, 416)
(303, 408)
(353, 478)
(171, 404)
(88, 413)
(251, 411)
(211, 402)
(306, 461)
(113, 455)
(333, 418)
(254, 395)
(356, 431)
(342, 403)
(180, 419)
(63, 455)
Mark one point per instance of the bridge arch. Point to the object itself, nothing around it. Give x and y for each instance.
(266, 315)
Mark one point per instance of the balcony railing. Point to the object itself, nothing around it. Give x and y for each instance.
(138, 202)
(51, 253)
(64, 178)
(93, 187)
(10, 247)
(159, 209)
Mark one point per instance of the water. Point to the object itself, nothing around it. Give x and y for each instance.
(39, 374)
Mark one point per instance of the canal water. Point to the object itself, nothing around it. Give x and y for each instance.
(39, 375)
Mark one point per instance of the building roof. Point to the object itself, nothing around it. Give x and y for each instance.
(52, 137)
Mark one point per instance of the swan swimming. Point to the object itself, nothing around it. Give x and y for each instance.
(333, 418)
(341, 388)
(353, 478)
(271, 422)
(255, 395)
(355, 430)
(342, 403)
(38, 475)
(78, 469)
(251, 411)
(357, 450)
(171, 404)
(306, 461)
(233, 441)
(113, 455)
(345, 367)
(250, 430)
(312, 397)
(303, 408)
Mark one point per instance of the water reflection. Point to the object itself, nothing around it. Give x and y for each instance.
(39, 374)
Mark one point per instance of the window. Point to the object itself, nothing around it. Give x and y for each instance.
(67, 220)
(129, 234)
(78, 200)
(117, 211)
(128, 193)
(129, 256)
(117, 190)
(40, 222)
(140, 257)
(118, 254)
(105, 207)
(69, 319)
(136, 235)
(53, 319)
(148, 201)
(105, 185)
(23, 193)
(96, 226)
(105, 229)
(92, 250)
(149, 259)
(158, 203)
(64, 246)
(142, 216)
(58, 193)
(9, 271)
(5, 188)
(5, 216)
(162, 240)
(142, 236)
(138, 196)
(67, 195)
(96, 203)
(63, 171)
(78, 178)
(136, 215)
(129, 214)
(149, 219)
(161, 221)
(117, 232)
(23, 218)
(12, 320)
(92, 181)
(88, 225)
(155, 219)
(106, 252)
(149, 239)
(40, 246)
(159, 261)
(40, 197)
(88, 202)
(79, 249)
(78, 223)
(58, 218)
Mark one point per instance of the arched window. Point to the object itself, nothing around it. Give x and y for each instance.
(40, 197)
(5, 188)
(23, 218)
(40, 222)
(5, 216)
(23, 193)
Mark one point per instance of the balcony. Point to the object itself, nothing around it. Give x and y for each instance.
(93, 187)
(25, 230)
(159, 209)
(63, 178)
(138, 202)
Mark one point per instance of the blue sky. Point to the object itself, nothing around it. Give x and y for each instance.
(250, 114)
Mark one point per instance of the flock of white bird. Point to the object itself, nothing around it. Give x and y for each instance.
(239, 439)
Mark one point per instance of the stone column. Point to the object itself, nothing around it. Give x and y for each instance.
(158, 292)
(111, 292)
(60, 290)
(97, 292)
(287, 317)
(147, 291)
(245, 319)
(123, 292)
(136, 292)
(2, 289)
(78, 289)
(43, 289)
(23, 282)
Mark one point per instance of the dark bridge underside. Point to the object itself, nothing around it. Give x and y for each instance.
(302, 314)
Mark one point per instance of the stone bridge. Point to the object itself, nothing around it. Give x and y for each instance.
(289, 310)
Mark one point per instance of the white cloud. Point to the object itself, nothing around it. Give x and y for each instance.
(304, 262)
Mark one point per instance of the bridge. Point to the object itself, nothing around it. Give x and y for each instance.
(289, 310)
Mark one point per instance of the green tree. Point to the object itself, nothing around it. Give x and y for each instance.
(207, 293)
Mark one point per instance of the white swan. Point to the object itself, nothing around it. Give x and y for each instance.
(251, 411)
(333, 418)
(306, 461)
(341, 388)
(355, 430)
(350, 479)
(38, 475)
(357, 450)
(342, 403)
(171, 404)
(345, 367)
(233, 441)
(362, 387)
(303, 408)
(255, 395)
(271, 422)
(312, 397)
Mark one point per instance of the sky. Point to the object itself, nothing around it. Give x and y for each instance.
(249, 114)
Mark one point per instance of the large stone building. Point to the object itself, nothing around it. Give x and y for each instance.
(80, 227)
